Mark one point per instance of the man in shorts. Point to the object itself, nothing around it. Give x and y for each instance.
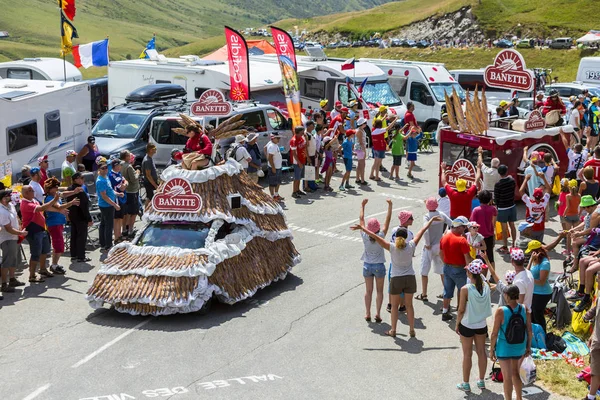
(132, 192)
(298, 155)
(454, 251)
(9, 242)
(504, 197)
(149, 172)
(274, 160)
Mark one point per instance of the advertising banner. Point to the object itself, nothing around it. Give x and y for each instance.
(284, 46)
(239, 65)
(509, 72)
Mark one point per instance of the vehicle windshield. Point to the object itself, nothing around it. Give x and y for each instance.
(119, 125)
(185, 236)
(595, 92)
(439, 88)
(381, 93)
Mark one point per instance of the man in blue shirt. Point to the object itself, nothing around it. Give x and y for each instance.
(347, 146)
(107, 204)
(119, 184)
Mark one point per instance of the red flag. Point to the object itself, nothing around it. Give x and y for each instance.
(239, 65)
(68, 7)
(284, 46)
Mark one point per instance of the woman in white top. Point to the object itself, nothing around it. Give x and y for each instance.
(373, 259)
(403, 279)
(471, 322)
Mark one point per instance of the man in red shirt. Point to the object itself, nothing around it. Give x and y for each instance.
(298, 155)
(409, 118)
(43, 163)
(37, 235)
(595, 164)
(461, 197)
(340, 119)
(454, 251)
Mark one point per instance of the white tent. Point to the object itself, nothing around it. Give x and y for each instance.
(590, 37)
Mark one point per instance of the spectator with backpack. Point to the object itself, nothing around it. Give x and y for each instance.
(238, 152)
(511, 340)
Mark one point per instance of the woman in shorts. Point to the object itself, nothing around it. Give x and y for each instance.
(509, 355)
(474, 308)
(568, 208)
(373, 259)
(403, 279)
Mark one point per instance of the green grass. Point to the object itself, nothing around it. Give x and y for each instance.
(560, 377)
(564, 63)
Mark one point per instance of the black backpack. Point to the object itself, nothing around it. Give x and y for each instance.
(515, 330)
(232, 152)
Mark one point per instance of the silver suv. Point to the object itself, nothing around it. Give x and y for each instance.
(262, 117)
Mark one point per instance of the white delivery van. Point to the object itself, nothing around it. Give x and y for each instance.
(42, 118)
(589, 71)
(322, 78)
(423, 84)
(471, 78)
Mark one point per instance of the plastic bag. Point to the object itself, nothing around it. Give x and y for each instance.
(499, 231)
(556, 186)
(527, 371)
(578, 324)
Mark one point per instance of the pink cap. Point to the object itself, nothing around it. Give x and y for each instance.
(534, 155)
(404, 216)
(373, 225)
(431, 204)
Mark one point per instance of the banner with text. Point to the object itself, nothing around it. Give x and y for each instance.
(239, 65)
(284, 46)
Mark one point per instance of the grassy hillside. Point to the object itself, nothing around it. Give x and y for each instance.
(537, 17)
(564, 63)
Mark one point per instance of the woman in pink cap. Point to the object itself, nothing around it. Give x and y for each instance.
(373, 259)
(474, 309)
(406, 219)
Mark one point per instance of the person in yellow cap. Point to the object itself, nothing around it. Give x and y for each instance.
(542, 291)
(460, 196)
(382, 115)
(593, 122)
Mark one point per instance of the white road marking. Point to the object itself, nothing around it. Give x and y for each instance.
(107, 345)
(37, 392)
(328, 234)
(398, 197)
(355, 220)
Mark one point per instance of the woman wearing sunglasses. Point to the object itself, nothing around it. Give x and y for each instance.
(88, 154)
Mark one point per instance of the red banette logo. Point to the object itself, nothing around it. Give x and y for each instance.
(509, 72)
(211, 103)
(177, 196)
(461, 169)
(535, 121)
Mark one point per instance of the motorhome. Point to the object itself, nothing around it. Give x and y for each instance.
(40, 68)
(589, 71)
(42, 118)
(423, 84)
(194, 74)
(323, 78)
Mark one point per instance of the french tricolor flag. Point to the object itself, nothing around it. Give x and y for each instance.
(93, 54)
(348, 64)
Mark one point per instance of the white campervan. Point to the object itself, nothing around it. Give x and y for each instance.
(42, 118)
(423, 84)
(323, 78)
(40, 68)
(589, 71)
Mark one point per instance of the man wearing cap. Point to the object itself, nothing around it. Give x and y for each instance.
(298, 156)
(68, 168)
(9, 242)
(539, 100)
(254, 165)
(323, 104)
(107, 202)
(36, 177)
(504, 197)
(536, 206)
(340, 120)
(43, 165)
(175, 157)
(523, 277)
(461, 197)
(443, 124)
(274, 160)
(593, 122)
(513, 111)
(553, 102)
(443, 203)
(25, 177)
(34, 222)
(533, 170)
(350, 122)
(119, 184)
(132, 203)
(336, 111)
(149, 173)
(454, 252)
(490, 174)
(239, 153)
(80, 218)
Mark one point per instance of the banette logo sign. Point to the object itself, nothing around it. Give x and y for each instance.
(509, 72)
(535, 121)
(211, 103)
(461, 169)
(177, 196)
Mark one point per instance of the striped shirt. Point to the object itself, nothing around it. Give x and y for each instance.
(504, 193)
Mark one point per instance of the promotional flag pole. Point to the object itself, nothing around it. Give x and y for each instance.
(60, 8)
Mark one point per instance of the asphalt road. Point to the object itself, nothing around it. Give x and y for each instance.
(302, 338)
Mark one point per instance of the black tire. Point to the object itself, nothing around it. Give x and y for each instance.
(431, 127)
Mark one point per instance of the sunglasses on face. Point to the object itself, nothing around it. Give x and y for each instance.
(474, 227)
(103, 168)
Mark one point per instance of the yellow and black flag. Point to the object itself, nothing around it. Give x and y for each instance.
(67, 33)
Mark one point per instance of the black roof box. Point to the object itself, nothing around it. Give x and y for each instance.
(158, 92)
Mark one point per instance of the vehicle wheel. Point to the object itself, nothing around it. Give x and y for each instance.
(431, 127)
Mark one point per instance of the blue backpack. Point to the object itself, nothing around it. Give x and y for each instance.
(538, 340)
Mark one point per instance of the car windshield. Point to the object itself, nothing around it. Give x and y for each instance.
(381, 93)
(119, 125)
(595, 92)
(439, 88)
(185, 236)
